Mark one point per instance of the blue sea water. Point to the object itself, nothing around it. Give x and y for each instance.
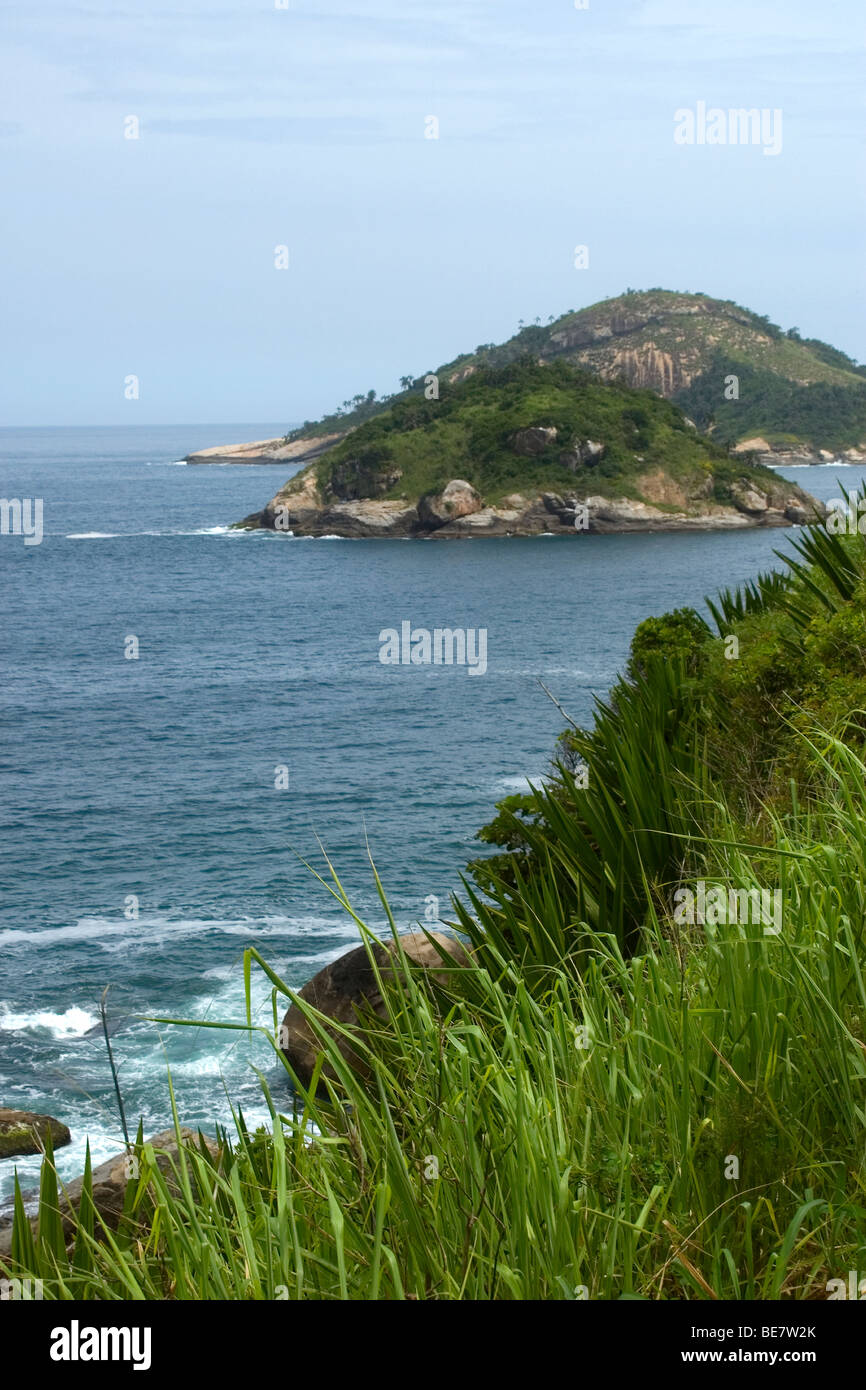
(155, 778)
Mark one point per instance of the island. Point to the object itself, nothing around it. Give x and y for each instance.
(528, 449)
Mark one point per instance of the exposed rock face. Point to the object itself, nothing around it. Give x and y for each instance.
(533, 441)
(749, 499)
(456, 499)
(796, 457)
(348, 986)
(756, 445)
(267, 451)
(649, 368)
(351, 481)
(23, 1132)
(663, 504)
(109, 1182)
(798, 516)
(645, 364)
(367, 518)
(584, 453)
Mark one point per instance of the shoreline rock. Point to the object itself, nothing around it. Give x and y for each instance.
(796, 457)
(348, 986)
(109, 1182)
(459, 512)
(265, 451)
(24, 1132)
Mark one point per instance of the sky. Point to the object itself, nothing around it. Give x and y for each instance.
(305, 124)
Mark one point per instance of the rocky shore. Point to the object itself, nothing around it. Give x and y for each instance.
(342, 993)
(459, 511)
(796, 458)
(266, 451)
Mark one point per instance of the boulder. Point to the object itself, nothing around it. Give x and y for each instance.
(552, 502)
(534, 440)
(748, 498)
(457, 498)
(373, 517)
(583, 453)
(23, 1132)
(348, 987)
(109, 1183)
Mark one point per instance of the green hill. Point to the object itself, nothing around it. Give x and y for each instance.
(793, 392)
(517, 450)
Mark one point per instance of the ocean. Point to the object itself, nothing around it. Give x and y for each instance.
(161, 812)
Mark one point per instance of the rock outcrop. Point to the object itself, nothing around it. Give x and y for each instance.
(457, 499)
(799, 457)
(267, 450)
(587, 452)
(534, 440)
(348, 987)
(109, 1183)
(24, 1132)
(663, 505)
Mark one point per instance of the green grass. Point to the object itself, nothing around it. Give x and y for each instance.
(561, 1167)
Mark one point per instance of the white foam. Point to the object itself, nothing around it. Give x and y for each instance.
(74, 1023)
(520, 784)
(117, 933)
(91, 536)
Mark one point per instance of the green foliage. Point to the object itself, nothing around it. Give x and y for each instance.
(821, 415)
(469, 433)
(569, 1143)
(679, 635)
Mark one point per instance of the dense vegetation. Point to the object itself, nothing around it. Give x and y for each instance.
(469, 433)
(611, 1101)
(820, 415)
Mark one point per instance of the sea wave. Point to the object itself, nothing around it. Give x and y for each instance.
(73, 1023)
(519, 784)
(112, 933)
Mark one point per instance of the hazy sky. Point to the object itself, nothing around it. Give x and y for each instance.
(304, 126)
